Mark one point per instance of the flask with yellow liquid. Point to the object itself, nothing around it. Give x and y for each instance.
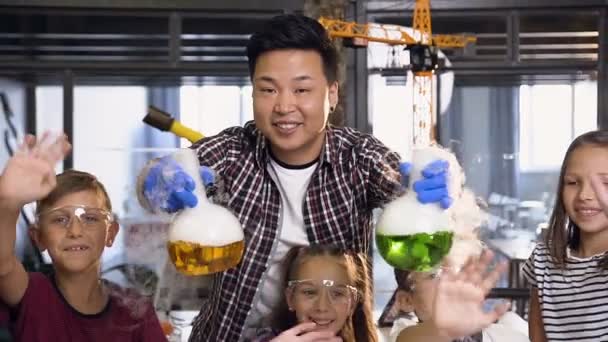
(207, 238)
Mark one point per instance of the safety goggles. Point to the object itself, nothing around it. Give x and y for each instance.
(415, 278)
(63, 217)
(309, 290)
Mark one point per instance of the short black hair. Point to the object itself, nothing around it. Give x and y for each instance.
(402, 278)
(292, 31)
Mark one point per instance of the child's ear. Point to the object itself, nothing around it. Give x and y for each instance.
(404, 302)
(112, 232)
(35, 236)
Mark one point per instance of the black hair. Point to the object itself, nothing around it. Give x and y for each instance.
(292, 31)
(403, 280)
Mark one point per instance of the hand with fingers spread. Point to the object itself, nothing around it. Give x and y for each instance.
(30, 175)
(305, 332)
(52, 147)
(600, 187)
(458, 305)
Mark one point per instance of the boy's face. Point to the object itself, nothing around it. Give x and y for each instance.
(291, 103)
(322, 294)
(75, 230)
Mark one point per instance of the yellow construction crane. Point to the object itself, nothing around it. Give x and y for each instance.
(423, 57)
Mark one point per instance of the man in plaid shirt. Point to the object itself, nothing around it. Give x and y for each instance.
(289, 177)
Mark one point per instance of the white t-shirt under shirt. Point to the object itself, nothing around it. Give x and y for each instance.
(574, 300)
(292, 182)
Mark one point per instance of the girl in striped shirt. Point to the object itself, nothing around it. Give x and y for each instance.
(568, 272)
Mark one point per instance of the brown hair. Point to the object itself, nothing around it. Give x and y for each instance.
(360, 327)
(563, 232)
(72, 181)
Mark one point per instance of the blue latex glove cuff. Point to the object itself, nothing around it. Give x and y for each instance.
(207, 175)
(405, 168)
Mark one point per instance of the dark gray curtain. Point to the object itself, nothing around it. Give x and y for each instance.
(504, 140)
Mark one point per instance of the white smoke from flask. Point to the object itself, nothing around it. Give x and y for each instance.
(207, 224)
(407, 216)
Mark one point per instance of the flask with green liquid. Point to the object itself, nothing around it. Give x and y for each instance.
(414, 236)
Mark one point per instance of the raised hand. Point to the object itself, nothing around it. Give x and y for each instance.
(304, 332)
(458, 306)
(30, 175)
(600, 187)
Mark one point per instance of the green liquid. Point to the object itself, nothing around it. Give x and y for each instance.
(416, 252)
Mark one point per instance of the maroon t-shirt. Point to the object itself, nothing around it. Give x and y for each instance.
(3, 316)
(44, 315)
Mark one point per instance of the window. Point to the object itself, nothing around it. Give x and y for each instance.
(107, 128)
(391, 113)
(551, 116)
(49, 112)
(211, 109)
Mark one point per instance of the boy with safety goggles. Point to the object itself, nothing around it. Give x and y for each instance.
(74, 224)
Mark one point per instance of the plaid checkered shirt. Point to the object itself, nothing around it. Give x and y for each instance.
(356, 174)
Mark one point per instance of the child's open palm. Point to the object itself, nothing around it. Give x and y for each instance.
(29, 175)
(601, 191)
(458, 306)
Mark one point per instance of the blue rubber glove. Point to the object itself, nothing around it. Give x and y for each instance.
(168, 188)
(433, 187)
(207, 175)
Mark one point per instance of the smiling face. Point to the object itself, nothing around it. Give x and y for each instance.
(291, 103)
(578, 196)
(75, 231)
(323, 293)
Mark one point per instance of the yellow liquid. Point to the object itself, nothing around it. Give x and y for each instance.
(194, 259)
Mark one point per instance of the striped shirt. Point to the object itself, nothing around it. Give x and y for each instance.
(573, 301)
(356, 173)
